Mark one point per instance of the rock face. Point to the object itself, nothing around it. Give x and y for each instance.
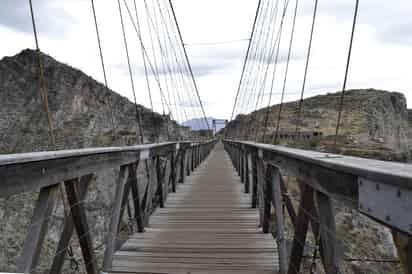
(376, 121)
(375, 124)
(82, 111)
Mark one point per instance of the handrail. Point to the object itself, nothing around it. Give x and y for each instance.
(165, 165)
(378, 189)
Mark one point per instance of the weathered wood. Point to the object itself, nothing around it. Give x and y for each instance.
(288, 203)
(115, 217)
(260, 173)
(173, 166)
(299, 238)
(138, 214)
(68, 229)
(80, 223)
(254, 182)
(248, 172)
(160, 181)
(277, 199)
(37, 230)
(328, 235)
(404, 247)
(207, 226)
(267, 198)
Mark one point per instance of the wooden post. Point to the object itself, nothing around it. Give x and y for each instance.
(260, 173)
(277, 199)
(182, 165)
(327, 229)
(173, 170)
(301, 230)
(37, 229)
(68, 228)
(134, 185)
(254, 180)
(80, 223)
(159, 182)
(266, 186)
(116, 215)
(247, 173)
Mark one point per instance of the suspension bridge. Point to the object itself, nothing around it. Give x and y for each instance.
(219, 204)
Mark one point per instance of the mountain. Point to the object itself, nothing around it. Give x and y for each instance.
(200, 124)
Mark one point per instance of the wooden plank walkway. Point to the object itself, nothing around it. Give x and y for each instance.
(206, 227)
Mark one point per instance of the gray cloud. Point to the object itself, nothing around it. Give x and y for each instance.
(49, 18)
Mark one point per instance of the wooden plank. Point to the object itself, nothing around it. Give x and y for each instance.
(138, 213)
(80, 223)
(206, 226)
(277, 199)
(115, 217)
(68, 228)
(37, 230)
(299, 238)
(327, 227)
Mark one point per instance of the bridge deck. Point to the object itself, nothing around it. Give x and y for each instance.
(206, 227)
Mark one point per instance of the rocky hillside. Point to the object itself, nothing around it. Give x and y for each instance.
(375, 123)
(82, 110)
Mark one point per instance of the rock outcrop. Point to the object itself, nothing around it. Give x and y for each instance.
(374, 123)
(82, 111)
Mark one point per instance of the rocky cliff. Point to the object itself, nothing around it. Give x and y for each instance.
(375, 123)
(82, 111)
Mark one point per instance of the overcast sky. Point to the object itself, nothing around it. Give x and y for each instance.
(382, 55)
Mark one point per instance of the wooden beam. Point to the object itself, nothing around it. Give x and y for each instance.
(327, 229)
(299, 238)
(403, 245)
(138, 214)
(115, 217)
(68, 228)
(37, 230)
(277, 199)
(80, 223)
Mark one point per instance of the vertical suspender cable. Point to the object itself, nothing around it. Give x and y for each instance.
(274, 73)
(43, 85)
(246, 59)
(346, 73)
(103, 65)
(299, 111)
(144, 58)
(286, 72)
(188, 65)
(138, 118)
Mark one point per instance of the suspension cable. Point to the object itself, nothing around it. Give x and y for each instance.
(246, 59)
(346, 73)
(286, 72)
(299, 111)
(274, 72)
(138, 117)
(188, 65)
(103, 66)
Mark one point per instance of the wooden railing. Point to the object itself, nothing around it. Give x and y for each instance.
(380, 190)
(71, 171)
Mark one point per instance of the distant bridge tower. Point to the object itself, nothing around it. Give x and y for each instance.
(218, 121)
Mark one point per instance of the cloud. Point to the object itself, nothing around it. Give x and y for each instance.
(50, 16)
(398, 33)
